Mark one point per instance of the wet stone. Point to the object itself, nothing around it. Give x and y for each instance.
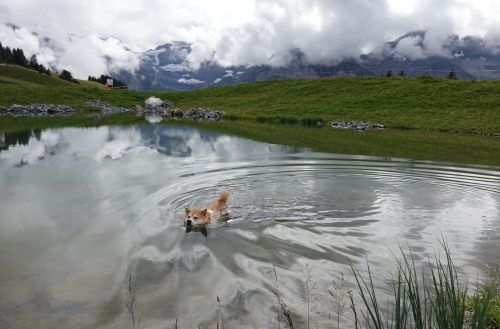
(198, 113)
(107, 109)
(359, 126)
(38, 110)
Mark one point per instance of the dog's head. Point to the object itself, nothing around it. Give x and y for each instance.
(196, 217)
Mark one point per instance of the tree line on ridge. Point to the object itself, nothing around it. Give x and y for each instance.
(16, 56)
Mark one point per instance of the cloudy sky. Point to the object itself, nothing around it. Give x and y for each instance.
(245, 32)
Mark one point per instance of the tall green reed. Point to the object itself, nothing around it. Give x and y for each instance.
(438, 302)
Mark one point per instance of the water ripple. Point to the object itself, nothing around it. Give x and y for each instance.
(288, 208)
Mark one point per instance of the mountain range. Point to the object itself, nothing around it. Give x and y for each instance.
(167, 66)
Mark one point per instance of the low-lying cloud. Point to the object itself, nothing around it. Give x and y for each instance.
(94, 37)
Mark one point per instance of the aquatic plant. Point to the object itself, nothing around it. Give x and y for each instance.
(282, 308)
(131, 302)
(307, 290)
(338, 297)
(484, 306)
(221, 316)
(438, 302)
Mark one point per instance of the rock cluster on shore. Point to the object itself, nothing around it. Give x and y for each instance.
(38, 110)
(198, 113)
(153, 106)
(360, 126)
(108, 109)
(158, 107)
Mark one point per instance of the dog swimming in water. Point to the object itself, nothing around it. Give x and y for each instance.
(207, 213)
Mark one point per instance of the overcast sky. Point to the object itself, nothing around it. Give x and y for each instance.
(245, 32)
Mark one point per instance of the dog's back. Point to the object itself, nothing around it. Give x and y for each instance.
(220, 204)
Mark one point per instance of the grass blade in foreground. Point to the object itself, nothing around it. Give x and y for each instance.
(371, 304)
(447, 297)
(441, 304)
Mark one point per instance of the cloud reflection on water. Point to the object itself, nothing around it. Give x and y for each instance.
(89, 206)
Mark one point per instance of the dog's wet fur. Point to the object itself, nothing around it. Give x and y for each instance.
(207, 213)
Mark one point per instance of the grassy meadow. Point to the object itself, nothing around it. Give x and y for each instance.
(398, 102)
(410, 103)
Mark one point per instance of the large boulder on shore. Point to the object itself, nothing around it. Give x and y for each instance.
(154, 102)
(178, 113)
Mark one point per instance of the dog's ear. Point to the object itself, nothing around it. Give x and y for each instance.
(187, 210)
(204, 212)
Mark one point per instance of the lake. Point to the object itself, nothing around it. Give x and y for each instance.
(85, 209)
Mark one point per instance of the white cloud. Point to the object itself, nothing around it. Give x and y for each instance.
(410, 47)
(191, 81)
(247, 32)
(176, 67)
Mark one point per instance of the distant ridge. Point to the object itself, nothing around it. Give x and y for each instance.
(167, 68)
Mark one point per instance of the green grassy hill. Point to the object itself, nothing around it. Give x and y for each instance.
(411, 103)
(23, 76)
(415, 103)
(19, 85)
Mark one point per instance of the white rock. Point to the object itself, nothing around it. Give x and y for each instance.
(154, 101)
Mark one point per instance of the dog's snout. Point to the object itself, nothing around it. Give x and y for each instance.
(189, 222)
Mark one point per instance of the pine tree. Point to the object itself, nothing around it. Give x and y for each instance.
(42, 69)
(389, 74)
(66, 75)
(2, 53)
(33, 64)
(19, 58)
(9, 59)
(452, 75)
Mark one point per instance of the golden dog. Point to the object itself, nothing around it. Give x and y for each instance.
(210, 211)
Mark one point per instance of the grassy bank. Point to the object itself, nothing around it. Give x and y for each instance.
(85, 119)
(412, 103)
